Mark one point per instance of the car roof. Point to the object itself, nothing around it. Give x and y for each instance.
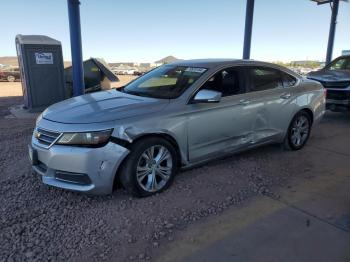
(215, 62)
(222, 62)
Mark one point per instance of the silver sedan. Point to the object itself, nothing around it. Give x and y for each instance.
(176, 116)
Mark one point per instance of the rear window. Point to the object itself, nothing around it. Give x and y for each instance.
(288, 80)
(262, 78)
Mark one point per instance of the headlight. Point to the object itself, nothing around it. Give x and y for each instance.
(39, 118)
(85, 139)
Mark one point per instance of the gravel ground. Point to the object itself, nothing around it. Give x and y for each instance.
(39, 223)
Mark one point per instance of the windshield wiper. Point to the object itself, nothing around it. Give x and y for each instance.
(136, 93)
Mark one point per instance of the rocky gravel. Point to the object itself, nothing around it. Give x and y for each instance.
(40, 223)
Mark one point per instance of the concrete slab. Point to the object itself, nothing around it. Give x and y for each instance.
(273, 230)
(310, 221)
(284, 235)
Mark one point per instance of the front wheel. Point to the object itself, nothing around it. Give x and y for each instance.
(11, 78)
(150, 168)
(298, 132)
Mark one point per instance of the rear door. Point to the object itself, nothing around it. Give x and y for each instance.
(273, 100)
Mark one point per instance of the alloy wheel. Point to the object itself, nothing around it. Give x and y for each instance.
(154, 168)
(300, 130)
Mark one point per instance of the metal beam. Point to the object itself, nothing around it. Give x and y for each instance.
(248, 29)
(76, 48)
(332, 28)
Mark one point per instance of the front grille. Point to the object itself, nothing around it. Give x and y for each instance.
(338, 95)
(75, 178)
(340, 84)
(46, 137)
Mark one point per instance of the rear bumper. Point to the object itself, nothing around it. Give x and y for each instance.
(89, 170)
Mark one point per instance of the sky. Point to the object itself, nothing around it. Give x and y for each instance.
(146, 31)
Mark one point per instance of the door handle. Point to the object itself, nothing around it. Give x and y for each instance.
(285, 96)
(244, 102)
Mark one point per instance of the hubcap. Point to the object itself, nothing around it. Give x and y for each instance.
(154, 168)
(300, 131)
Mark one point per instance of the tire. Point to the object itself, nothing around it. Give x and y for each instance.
(142, 175)
(298, 132)
(11, 78)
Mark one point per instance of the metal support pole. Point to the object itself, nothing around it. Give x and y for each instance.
(248, 29)
(332, 31)
(76, 49)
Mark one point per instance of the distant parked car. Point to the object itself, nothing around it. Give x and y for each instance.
(123, 71)
(175, 116)
(138, 73)
(335, 77)
(10, 75)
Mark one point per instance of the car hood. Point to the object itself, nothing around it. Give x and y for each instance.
(330, 75)
(102, 107)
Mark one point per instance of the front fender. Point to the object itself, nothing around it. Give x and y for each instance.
(176, 134)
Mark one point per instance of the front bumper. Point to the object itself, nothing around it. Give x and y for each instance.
(338, 99)
(345, 102)
(338, 104)
(89, 170)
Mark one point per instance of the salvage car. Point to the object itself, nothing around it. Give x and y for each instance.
(335, 77)
(10, 75)
(176, 116)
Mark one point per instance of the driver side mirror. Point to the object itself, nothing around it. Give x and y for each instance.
(207, 96)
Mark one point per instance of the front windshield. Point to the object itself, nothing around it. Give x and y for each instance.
(167, 81)
(340, 64)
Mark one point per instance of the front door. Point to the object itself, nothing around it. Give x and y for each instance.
(215, 128)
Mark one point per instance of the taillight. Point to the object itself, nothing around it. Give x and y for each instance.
(325, 92)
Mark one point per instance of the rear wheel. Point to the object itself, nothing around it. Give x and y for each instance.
(11, 78)
(150, 168)
(298, 131)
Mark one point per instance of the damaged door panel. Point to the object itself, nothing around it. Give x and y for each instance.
(208, 133)
(272, 101)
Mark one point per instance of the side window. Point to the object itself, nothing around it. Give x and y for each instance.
(288, 80)
(226, 81)
(262, 78)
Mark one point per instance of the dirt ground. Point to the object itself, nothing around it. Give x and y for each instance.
(40, 223)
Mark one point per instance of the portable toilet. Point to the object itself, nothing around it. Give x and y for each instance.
(40, 61)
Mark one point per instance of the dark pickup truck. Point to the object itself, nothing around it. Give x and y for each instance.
(335, 77)
(10, 75)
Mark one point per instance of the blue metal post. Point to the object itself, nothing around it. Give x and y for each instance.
(76, 49)
(332, 31)
(248, 29)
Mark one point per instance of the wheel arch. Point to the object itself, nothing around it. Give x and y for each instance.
(164, 136)
(309, 112)
(161, 135)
